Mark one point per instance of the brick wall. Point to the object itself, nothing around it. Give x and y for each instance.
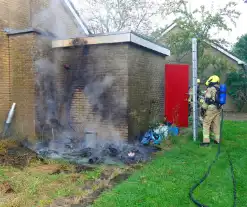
(15, 13)
(69, 56)
(23, 83)
(19, 82)
(97, 82)
(19, 53)
(137, 88)
(46, 14)
(81, 111)
(106, 69)
(19, 14)
(5, 78)
(146, 88)
(43, 63)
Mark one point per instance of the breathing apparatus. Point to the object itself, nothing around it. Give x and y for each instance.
(220, 98)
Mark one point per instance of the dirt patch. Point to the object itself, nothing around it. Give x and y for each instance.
(92, 189)
(231, 116)
(5, 188)
(81, 168)
(12, 153)
(168, 143)
(74, 178)
(104, 184)
(119, 178)
(47, 169)
(52, 169)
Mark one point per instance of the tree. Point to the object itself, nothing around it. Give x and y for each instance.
(202, 24)
(240, 48)
(237, 88)
(104, 16)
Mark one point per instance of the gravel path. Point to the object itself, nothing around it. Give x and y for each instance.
(235, 116)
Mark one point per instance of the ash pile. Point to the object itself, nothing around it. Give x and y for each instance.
(92, 150)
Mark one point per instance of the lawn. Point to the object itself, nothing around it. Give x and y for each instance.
(33, 187)
(167, 179)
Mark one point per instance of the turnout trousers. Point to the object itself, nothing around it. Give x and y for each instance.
(211, 122)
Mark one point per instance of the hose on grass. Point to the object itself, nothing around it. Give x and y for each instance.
(196, 202)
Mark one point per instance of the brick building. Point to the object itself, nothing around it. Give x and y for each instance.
(115, 83)
(19, 47)
(112, 84)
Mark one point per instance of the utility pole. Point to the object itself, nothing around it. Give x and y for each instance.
(194, 68)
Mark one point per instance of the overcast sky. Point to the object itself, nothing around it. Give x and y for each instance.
(241, 27)
(229, 36)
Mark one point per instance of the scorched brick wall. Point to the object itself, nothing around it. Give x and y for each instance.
(110, 64)
(98, 87)
(128, 104)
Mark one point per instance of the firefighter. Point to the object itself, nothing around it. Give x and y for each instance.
(211, 120)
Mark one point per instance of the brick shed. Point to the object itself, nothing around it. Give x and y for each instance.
(114, 84)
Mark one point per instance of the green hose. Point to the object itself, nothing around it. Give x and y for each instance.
(196, 202)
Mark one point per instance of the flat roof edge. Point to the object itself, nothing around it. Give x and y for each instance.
(10, 31)
(149, 45)
(123, 37)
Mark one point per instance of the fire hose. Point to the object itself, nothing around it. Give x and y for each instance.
(196, 202)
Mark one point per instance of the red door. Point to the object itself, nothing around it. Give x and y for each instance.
(176, 94)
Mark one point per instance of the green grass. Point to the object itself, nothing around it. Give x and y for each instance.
(167, 179)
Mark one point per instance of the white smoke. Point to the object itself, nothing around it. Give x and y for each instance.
(95, 89)
(53, 20)
(93, 121)
(45, 67)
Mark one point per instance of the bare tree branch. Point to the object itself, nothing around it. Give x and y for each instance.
(120, 15)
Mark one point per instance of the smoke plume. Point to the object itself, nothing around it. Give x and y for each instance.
(98, 122)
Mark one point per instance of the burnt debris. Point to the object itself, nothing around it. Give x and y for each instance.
(98, 153)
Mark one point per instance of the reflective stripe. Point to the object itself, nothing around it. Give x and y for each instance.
(211, 106)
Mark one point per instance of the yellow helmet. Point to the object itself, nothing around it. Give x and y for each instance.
(198, 81)
(213, 79)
